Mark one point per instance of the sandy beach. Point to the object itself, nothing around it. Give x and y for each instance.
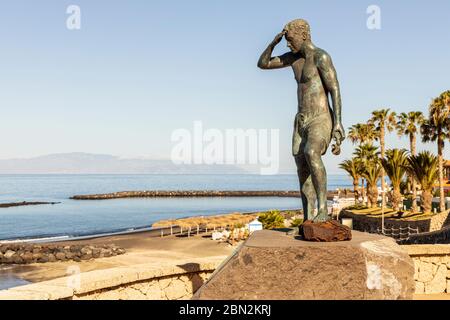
(141, 248)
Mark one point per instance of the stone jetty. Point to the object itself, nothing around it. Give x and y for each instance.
(186, 194)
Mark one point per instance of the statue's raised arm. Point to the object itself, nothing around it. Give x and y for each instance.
(266, 61)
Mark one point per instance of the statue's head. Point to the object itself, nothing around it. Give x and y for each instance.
(296, 33)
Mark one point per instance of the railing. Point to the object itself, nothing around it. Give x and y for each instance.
(399, 234)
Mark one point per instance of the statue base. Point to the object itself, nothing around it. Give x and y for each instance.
(271, 265)
(329, 231)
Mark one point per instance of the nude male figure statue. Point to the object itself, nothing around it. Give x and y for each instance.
(316, 124)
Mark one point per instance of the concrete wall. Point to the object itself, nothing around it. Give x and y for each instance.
(139, 282)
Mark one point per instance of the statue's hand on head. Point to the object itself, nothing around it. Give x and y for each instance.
(338, 137)
(278, 38)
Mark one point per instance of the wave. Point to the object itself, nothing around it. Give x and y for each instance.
(61, 238)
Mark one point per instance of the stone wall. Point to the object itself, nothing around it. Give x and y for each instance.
(432, 268)
(26, 253)
(138, 282)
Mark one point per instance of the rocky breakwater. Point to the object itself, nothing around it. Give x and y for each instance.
(33, 253)
(186, 194)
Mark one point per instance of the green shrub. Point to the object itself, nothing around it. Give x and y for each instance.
(272, 220)
(289, 214)
(297, 223)
(357, 207)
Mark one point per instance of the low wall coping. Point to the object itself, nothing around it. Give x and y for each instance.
(67, 287)
(427, 249)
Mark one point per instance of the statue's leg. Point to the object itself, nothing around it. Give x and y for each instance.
(307, 190)
(313, 153)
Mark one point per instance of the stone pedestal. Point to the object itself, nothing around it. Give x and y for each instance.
(271, 265)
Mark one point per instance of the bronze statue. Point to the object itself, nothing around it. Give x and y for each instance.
(316, 124)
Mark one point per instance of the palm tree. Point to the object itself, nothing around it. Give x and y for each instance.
(407, 125)
(354, 169)
(372, 172)
(437, 128)
(395, 165)
(384, 120)
(362, 133)
(424, 168)
(366, 154)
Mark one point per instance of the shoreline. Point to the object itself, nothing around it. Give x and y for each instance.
(140, 248)
(153, 232)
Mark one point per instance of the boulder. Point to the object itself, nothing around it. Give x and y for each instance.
(271, 265)
(9, 254)
(60, 256)
(328, 231)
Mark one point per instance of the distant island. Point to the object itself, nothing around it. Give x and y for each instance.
(87, 163)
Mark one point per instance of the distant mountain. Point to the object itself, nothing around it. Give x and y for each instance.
(86, 163)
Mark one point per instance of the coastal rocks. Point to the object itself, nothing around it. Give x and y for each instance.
(330, 231)
(32, 253)
(186, 194)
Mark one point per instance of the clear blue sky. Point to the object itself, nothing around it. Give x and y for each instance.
(137, 70)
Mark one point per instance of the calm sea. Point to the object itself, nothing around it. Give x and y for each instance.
(73, 218)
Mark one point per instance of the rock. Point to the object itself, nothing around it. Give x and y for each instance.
(60, 256)
(51, 258)
(96, 253)
(69, 255)
(44, 259)
(420, 287)
(271, 265)
(75, 248)
(86, 251)
(329, 231)
(86, 257)
(28, 257)
(425, 272)
(17, 259)
(9, 254)
(37, 256)
(438, 284)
